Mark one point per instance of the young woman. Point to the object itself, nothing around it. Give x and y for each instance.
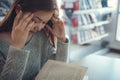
(27, 40)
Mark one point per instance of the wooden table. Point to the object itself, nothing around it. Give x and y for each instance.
(101, 67)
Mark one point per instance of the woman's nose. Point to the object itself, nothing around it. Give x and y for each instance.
(41, 26)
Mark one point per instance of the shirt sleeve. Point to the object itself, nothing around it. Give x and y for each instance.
(60, 53)
(13, 67)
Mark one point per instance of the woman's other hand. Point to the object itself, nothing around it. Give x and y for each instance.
(21, 28)
(57, 29)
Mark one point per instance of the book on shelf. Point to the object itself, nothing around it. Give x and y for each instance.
(80, 23)
(74, 38)
(87, 4)
(104, 3)
(94, 18)
(83, 19)
(90, 4)
(88, 19)
(102, 31)
(76, 5)
(86, 35)
(83, 4)
(74, 21)
(82, 35)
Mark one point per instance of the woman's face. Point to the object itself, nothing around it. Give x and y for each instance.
(40, 18)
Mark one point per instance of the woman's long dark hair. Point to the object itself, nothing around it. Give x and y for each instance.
(26, 6)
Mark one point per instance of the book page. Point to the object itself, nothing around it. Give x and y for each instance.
(55, 70)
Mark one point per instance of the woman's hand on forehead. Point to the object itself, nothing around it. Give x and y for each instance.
(22, 26)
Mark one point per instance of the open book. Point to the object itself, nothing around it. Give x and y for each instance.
(56, 70)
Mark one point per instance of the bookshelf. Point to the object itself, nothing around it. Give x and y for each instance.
(91, 26)
(68, 0)
(4, 7)
(94, 39)
(87, 20)
(93, 10)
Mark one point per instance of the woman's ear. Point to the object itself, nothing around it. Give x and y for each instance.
(17, 9)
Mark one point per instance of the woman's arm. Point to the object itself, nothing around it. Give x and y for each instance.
(62, 50)
(58, 31)
(17, 57)
(60, 53)
(13, 67)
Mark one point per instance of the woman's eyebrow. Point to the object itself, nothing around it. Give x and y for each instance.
(39, 19)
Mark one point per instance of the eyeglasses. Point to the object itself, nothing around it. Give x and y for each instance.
(39, 20)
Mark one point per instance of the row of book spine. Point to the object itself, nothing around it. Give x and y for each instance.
(84, 4)
(83, 19)
(86, 19)
(4, 7)
(82, 36)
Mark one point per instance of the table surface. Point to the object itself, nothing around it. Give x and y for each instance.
(101, 67)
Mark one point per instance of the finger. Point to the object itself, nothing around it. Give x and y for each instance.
(23, 18)
(26, 15)
(49, 28)
(25, 22)
(53, 20)
(30, 26)
(17, 18)
(60, 21)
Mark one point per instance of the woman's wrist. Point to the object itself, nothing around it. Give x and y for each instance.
(16, 46)
(63, 39)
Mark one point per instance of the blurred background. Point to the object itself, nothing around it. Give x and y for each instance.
(93, 28)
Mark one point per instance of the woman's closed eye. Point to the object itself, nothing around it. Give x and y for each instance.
(38, 20)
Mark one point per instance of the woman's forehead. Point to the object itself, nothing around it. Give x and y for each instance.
(43, 14)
